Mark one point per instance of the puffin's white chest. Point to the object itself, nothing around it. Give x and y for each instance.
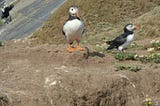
(73, 27)
(128, 41)
(130, 38)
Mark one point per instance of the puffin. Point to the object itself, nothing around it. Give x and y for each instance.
(123, 40)
(6, 10)
(73, 29)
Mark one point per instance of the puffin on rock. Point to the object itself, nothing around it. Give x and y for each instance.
(123, 40)
(73, 29)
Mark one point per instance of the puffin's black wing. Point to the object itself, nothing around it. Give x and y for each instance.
(63, 32)
(120, 39)
(117, 41)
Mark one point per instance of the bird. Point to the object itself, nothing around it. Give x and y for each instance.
(5, 11)
(123, 40)
(73, 29)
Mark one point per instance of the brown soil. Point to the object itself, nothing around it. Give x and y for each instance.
(48, 75)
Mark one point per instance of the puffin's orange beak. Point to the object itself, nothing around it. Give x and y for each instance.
(137, 27)
(77, 14)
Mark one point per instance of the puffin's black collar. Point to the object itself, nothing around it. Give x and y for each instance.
(73, 17)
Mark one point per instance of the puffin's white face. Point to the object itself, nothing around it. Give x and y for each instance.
(74, 11)
(130, 27)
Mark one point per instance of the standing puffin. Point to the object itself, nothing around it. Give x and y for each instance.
(73, 29)
(123, 40)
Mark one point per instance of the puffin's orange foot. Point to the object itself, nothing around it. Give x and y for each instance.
(70, 49)
(79, 48)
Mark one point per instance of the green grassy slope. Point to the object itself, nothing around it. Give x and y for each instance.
(103, 19)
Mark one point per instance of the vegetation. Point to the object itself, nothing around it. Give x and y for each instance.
(3, 101)
(100, 48)
(132, 68)
(155, 44)
(150, 58)
(134, 45)
(154, 57)
(102, 19)
(124, 56)
(148, 102)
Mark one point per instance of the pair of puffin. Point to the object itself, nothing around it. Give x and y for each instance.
(74, 27)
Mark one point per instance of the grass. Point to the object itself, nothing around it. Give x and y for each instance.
(149, 23)
(150, 58)
(134, 45)
(155, 44)
(124, 56)
(148, 102)
(153, 57)
(3, 101)
(132, 68)
(98, 15)
(104, 19)
(100, 49)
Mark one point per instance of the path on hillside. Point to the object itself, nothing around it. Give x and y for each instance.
(27, 17)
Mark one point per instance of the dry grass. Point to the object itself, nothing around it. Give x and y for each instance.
(103, 19)
(150, 23)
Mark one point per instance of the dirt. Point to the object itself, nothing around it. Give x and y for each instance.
(48, 75)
